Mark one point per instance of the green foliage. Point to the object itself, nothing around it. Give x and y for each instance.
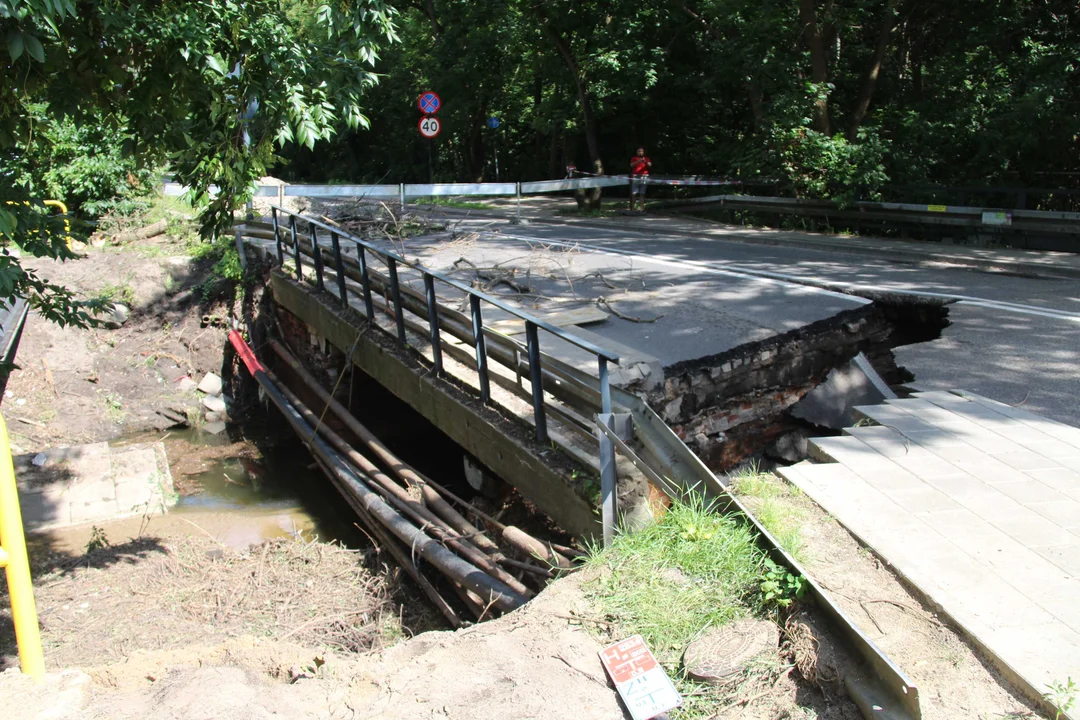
(98, 539)
(727, 87)
(81, 164)
(213, 87)
(820, 166)
(1063, 696)
(691, 569)
(780, 587)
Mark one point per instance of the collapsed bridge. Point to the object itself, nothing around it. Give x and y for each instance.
(491, 351)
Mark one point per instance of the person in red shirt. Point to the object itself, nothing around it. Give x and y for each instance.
(639, 177)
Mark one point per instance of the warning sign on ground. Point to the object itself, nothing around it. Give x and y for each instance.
(643, 685)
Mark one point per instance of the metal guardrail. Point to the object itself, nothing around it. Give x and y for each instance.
(477, 298)
(988, 219)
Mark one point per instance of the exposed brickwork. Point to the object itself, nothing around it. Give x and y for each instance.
(712, 403)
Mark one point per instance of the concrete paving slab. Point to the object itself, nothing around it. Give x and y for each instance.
(93, 483)
(977, 518)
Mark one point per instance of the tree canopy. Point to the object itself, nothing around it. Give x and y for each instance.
(835, 97)
(213, 88)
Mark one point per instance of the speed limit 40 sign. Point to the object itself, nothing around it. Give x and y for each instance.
(429, 126)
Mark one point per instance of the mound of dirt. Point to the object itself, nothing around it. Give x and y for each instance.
(75, 386)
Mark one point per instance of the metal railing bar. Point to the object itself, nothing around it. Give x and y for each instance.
(490, 299)
(481, 349)
(296, 249)
(339, 267)
(536, 377)
(365, 282)
(316, 255)
(277, 239)
(433, 322)
(395, 293)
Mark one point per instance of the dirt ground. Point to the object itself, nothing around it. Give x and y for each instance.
(187, 628)
(954, 681)
(76, 386)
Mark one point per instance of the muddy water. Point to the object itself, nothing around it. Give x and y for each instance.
(240, 495)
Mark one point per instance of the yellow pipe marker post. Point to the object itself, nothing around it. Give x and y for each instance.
(14, 560)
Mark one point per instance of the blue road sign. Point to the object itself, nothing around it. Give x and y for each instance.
(429, 103)
(493, 122)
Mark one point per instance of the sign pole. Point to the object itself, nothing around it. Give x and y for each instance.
(495, 142)
(430, 166)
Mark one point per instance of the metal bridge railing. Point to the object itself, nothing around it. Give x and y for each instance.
(477, 300)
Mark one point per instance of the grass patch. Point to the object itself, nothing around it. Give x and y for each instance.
(122, 293)
(451, 203)
(774, 503)
(690, 570)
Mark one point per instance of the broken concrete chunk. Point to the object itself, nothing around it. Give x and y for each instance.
(39, 459)
(214, 428)
(186, 385)
(211, 384)
(212, 417)
(119, 315)
(214, 404)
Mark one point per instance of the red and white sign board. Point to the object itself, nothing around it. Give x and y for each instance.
(645, 688)
(429, 126)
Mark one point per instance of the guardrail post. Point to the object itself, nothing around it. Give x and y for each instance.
(536, 377)
(631, 181)
(296, 249)
(365, 282)
(17, 566)
(519, 201)
(401, 196)
(608, 476)
(277, 238)
(481, 349)
(339, 268)
(433, 322)
(395, 293)
(316, 253)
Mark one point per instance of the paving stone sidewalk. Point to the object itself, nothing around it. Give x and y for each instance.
(978, 505)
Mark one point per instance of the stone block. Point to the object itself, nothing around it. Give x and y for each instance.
(1026, 492)
(210, 384)
(186, 385)
(1063, 513)
(214, 404)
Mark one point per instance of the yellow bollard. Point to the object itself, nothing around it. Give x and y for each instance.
(63, 211)
(14, 560)
(67, 223)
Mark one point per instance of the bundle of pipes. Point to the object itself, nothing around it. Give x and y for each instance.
(427, 526)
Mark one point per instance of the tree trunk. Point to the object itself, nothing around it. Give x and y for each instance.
(819, 71)
(581, 82)
(757, 103)
(873, 70)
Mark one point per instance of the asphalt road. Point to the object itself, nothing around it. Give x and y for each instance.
(1014, 339)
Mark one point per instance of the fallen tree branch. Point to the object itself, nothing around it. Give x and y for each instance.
(605, 303)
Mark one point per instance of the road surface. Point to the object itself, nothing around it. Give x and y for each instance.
(1015, 339)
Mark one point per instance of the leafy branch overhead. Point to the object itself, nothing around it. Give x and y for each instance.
(213, 88)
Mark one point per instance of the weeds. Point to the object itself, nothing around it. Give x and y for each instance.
(1062, 695)
(671, 580)
(98, 540)
(772, 502)
(122, 293)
